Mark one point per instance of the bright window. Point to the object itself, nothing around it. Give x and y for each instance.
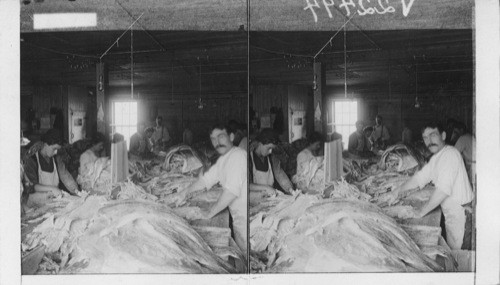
(125, 119)
(345, 115)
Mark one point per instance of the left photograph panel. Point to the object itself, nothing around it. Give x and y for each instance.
(133, 137)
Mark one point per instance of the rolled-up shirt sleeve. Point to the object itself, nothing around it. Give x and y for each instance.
(237, 178)
(423, 177)
(210, 178)
(447, 172)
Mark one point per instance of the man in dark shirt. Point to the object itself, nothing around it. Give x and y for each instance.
(358, 142)
(140, 142)
(380, 136)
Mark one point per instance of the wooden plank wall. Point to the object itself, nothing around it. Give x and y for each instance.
(175, 112)
(41, 99)
(78, 102)
(399, 106)
(46, 97)
(298, 101)
(394, 108)
(266, 96)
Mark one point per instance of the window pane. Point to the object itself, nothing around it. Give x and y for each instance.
(125, 119)
(345, 114)
(345, 119)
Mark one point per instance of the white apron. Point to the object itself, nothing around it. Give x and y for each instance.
(454, 215)
(260, 177)
(44, 178)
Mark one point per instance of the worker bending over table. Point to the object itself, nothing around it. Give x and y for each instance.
(89, 157)
(311, 152)
(46, 172)
(452, 192)
(266, 173)
(231, 172)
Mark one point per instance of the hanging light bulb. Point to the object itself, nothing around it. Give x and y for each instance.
(417, 102)
(201, 104)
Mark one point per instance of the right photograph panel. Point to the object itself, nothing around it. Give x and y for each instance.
(362, 137)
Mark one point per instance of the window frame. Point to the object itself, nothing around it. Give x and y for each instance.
(335, 126)
(114, 125)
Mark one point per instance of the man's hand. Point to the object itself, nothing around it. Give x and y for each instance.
(179, 198)
(205, 214)
(270, 191)
(197, 214)
(418, 214)
(387, 199)
(81, 193)
(56, 192)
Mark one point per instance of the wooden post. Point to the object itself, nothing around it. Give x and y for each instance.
(101, 86)
(319, 85)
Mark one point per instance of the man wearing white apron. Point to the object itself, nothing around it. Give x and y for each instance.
(231, 172)
(266, 172)
(44, 174)
(453, 192)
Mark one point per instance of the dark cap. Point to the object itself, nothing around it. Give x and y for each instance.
(267, 136)
(98, 138)
(52, 136)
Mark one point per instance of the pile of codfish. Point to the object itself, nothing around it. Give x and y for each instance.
(400, 157)
(183, 159)
(304, 233)
(179, 169)
(313, 176)
(340, 189)
(358, 169)
(397, 158)
(168, 183)
(95, 235)
(383, 182)
(97, 178)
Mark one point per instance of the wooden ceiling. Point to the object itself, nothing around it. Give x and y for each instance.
(432, 45)
(70, 57)
(443, 57)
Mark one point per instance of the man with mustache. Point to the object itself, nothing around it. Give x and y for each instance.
(446, 170)
(231, 172)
